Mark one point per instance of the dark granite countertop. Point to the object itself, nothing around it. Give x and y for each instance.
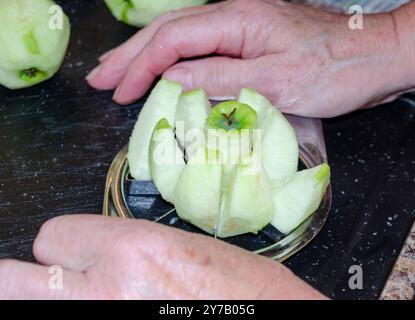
(58, 139)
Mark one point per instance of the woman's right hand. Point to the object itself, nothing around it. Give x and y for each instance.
(98, 257)
(307, 61)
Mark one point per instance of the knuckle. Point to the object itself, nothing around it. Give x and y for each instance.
(129, 237)
(162, 35)
(244, 10)
(167, 30)
(253, 10)
(46, 231)
(246, 4)
(42, 236)
(48, 227)
(163, 18)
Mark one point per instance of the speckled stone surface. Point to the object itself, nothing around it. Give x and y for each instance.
(401, 282)
(59, 138)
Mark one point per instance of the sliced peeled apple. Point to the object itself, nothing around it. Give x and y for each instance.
(279, 141)
(247, 203)
(258, 102)
(280, 150)
(140, 13)
(216, 191)
(192, 112)
(300, 197)
(166, 160)
(198, 191)
(162, 103)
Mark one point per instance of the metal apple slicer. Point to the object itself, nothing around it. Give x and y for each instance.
(128, 198)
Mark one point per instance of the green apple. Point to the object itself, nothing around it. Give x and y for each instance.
(166, 160)
(162, 103)
(247, 204)
(140, 13)
(222, 197)
(300, 197)
(191, 114)
(232, 116)
(280, 150)
(32, 50)
(198, 191)
(229, 128)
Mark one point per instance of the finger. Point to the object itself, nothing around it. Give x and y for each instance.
(106, 55)
(192, 36)
(221, 77)
(21, 280)
(74, 241)
(115, 63)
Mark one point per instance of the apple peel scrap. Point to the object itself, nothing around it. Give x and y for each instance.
(230, 169)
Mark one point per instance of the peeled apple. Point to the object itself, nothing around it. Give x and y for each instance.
(161, 103)
(210, 189)
(140, 13)
(34, 36)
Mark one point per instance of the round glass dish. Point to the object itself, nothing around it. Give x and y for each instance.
(127, 198)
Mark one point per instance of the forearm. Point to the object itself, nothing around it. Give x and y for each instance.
(368, 62)
(405, 27)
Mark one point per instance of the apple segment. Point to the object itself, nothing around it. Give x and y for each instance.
(247, 204)
(198, 191)
(299, 198)
(120, 9)
(161, 103)
(256, 101)
(280, 151)
(192, 111)
(31, 51)
(166, 160)
(140, 13)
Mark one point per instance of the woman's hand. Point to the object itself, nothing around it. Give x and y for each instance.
(112, 258)
(308, 62)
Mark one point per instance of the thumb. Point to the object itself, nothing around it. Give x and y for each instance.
(220, 77)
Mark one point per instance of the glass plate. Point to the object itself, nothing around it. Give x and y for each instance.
(127, 198)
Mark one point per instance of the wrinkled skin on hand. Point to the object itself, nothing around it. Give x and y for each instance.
(307, 61)
(112, 258)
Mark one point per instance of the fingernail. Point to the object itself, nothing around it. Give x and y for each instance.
(92, 75)
(116, 93)
(105, 56)
(179, 74)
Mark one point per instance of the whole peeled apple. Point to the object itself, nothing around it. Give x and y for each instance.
(140, 13)
(34, 37)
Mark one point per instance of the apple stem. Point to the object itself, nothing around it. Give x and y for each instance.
(229, 116)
